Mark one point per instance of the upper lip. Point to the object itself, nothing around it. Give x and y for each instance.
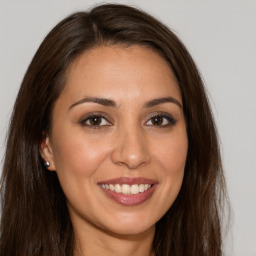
(128, 181)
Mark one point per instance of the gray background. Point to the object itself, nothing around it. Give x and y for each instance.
(220, 35)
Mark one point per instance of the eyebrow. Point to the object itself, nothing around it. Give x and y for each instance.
(158, 101)
(101, 101)
(111, 103)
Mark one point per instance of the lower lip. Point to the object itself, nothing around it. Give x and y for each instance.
(130, 200)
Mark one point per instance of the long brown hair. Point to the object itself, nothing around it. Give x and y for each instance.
(35, 219)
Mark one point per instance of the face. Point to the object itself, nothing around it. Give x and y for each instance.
(118, 141)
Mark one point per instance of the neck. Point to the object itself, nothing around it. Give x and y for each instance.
(94, 241)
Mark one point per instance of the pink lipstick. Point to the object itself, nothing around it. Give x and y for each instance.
(128, 191)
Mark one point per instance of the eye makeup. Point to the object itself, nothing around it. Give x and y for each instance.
(161, 120)
(97, 120)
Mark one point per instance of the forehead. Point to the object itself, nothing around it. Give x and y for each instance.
(121, 72)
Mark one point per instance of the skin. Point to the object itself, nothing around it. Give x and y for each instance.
(125, 143)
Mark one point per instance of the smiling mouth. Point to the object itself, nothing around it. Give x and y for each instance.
(128, 191)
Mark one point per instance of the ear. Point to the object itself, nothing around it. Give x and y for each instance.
(46, 152)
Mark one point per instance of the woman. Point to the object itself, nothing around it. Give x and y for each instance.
(112, 148)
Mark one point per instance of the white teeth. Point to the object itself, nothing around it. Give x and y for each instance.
(118, 188)
(134, 189)
(141, 188)
(127, 189)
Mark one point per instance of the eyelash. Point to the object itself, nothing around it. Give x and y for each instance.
(90, 117)
(168, 118)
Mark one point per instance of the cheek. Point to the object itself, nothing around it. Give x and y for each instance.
(171, 156)
(172, 153)
(78, 155)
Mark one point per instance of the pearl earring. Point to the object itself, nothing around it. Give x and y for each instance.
(47, 164)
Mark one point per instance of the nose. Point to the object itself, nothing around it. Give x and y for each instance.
(131, 149)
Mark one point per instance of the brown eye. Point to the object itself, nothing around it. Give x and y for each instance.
(95, 121)
(157, 120)
(161, 120)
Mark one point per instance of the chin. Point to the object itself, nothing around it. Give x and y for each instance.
(127, 225)
(131, 230)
